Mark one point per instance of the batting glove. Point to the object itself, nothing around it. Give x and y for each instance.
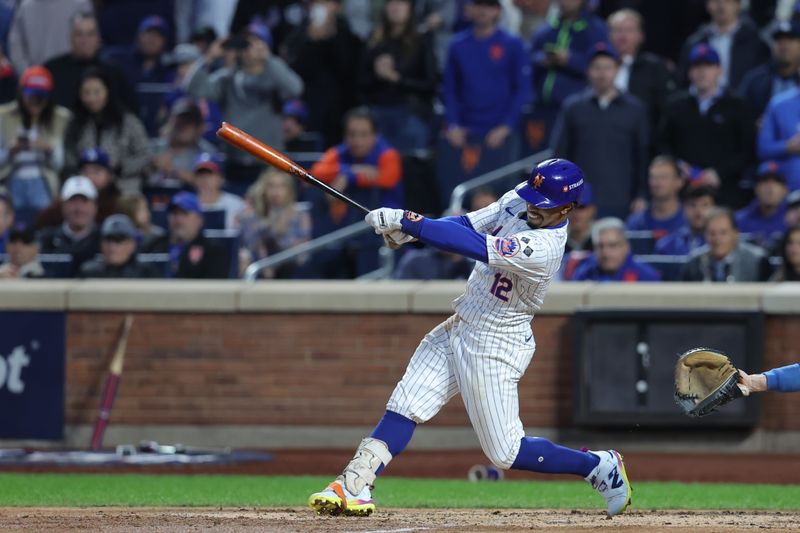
(396, 239)
(385, 220)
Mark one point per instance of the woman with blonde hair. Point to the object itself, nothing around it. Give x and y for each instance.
(272, 222)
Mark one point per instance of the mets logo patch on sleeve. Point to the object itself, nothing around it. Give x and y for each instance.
(507, 246)
(413, 217)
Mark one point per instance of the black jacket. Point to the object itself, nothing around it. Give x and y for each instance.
(67, 73)
(611, 145)
(203, 259)
(746, 263)
(722, 139)
(97, 268)
(748, 51)
(53, 240)
(756, 87)
(651, 82)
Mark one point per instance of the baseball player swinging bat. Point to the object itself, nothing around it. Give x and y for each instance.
(244, 141)
(112, 383)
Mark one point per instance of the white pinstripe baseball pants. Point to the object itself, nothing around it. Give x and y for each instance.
(485, 366)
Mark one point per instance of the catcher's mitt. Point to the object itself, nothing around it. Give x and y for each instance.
(704, 380)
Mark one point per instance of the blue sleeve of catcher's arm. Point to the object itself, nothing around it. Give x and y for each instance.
(452, 234)
(784, 379)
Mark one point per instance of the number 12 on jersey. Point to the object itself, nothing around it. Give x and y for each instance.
(501, 286)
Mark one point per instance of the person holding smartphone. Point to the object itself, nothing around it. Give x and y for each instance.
(32, 132)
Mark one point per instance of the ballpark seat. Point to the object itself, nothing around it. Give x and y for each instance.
(669, 266)
(214, 219)
(229, 239)
(642, 242)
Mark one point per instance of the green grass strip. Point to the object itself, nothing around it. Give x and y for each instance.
(78, 490)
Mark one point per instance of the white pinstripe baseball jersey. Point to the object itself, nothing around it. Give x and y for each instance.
(483, 350)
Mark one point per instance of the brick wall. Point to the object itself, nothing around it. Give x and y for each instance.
(313, 369)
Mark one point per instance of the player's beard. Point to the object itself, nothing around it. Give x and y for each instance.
(535, 220)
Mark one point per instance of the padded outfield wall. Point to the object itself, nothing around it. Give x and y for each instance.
(305, 365)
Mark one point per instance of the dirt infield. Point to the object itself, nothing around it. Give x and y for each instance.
(385, 521)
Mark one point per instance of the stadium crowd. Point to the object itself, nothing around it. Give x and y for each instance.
(683, 115)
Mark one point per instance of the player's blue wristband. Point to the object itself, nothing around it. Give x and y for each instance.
(447, 235)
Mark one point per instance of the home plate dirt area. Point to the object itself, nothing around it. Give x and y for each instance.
(112, 519)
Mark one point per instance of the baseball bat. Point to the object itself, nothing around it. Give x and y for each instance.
(244, 141)
(112, 383)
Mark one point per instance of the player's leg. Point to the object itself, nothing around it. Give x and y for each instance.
(488, 371)
(424, 389)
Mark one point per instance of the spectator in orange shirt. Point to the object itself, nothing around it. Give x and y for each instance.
(365, 167)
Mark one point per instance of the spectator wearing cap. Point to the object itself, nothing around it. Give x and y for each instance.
(39, 32)
(23, 254)
(192, 255)
(779, 138)
(145, 67)
(324, 52)
(182, 58)
(398, 78)
(725, 258)
(118, 252)
(612, 259)
(295, 136)
(32, 133)
(95, 165)
(779, 75)
(606, 133)
(6, 219)
(78, 235)
(735, 38)
(642, 74)
(663, 214)
(247, 92)
(486, 82)
(697, 204)
(789, 250)
(101, 121)
(209, 178)
(560, 53)
(763, 220)
(68, 68)
(709, 128)
(180, 144)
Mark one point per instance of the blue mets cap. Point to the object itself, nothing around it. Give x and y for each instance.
(297, 109)
(261, 31)
(154, 22)
(553, 183)
(603, 48)
(702, 54)
(186, 201)
(95, 156)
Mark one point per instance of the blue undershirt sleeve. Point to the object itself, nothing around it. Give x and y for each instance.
(452, 234)
(784, 379)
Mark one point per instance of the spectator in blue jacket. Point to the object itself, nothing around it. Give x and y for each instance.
(778, 75)
(782, 379)
(764, 218)
(697, 204)
(779, 138)
(486, 80)
(559, 52)
(145, 68)
(612, 259)
(663, 214)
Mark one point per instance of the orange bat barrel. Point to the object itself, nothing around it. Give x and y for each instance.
(246, 142)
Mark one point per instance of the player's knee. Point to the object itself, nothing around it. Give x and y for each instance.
(502, 457)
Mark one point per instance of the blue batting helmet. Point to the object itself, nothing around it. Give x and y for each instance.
(553, 183)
